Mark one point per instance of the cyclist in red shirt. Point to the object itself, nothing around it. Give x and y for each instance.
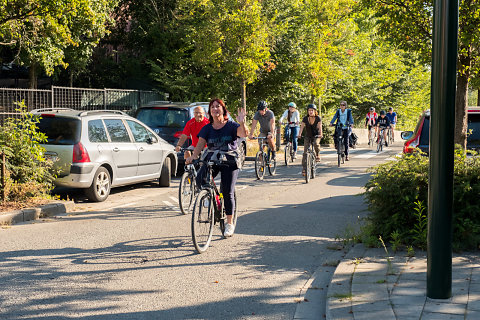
(191, 130)
(371, 121)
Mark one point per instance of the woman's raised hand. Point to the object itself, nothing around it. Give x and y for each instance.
(242, 114)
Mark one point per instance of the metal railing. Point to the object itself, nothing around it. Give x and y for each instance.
(74, 98)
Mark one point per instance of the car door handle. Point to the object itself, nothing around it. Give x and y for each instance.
(141, 149)
(116, 149)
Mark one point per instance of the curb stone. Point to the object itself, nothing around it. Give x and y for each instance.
(28, 214)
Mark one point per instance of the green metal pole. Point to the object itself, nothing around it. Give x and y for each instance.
(440, 188)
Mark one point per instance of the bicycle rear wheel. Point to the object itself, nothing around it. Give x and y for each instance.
(186, 192)
(260, 165)
(379, 144)
(202, 220)
(308, 169)
(272, 166)
(287, 153)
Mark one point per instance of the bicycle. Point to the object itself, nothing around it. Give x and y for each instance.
(289, 153)
(311, 165)
(263, 159)
(340, 144)
(208, 209)
(380, 140)
(187, 189)
(372, 134)
(390, 137)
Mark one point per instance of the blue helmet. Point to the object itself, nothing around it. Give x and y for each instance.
(292, 104)
(312, 106)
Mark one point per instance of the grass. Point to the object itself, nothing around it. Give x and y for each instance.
(342, 296)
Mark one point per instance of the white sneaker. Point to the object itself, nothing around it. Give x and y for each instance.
(229, 229)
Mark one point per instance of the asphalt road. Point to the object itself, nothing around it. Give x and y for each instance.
(132, 257)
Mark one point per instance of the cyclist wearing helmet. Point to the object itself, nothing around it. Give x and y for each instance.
(371, 120)
(383, 122)
(293, 119)
(344, 119)
(313, 133)
(266, 118)
(392, 116)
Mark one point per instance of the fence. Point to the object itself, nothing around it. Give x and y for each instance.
(74, 98)
(3, 178)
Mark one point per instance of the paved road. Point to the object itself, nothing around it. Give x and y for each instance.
(131, 257)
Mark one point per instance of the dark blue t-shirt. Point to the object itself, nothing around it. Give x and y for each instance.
(224, 139)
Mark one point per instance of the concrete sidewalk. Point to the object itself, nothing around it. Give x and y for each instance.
(369, 284)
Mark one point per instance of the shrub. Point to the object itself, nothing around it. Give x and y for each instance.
(398, 188)
(28, 173)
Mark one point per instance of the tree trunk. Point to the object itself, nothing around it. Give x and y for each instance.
(70, 80)
(461, 106)
(478, 97)
(244, 94)
(32, 76)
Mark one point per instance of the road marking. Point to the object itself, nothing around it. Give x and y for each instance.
(171, 205)
(123, 205)
(174, 199)
(251, 170)
(241, 188)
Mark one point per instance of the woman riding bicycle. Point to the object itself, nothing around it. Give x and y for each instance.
(313, 133)
(221, 135)
(291, 128)
(344, 119)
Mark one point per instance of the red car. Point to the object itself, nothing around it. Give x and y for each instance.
(420, 137)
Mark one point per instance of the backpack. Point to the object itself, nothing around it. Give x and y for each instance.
(353, 140)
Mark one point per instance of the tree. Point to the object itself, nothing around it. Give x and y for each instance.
(408, 24)
(41, 31)
(229, 36)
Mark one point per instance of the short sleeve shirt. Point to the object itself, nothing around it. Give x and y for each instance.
(192, 129)
(223, 139)
(383, 122)
(391, 117)
(264, 120)
(311, 130)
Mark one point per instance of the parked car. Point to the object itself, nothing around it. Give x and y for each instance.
(420, 137)
(101, 149)
(168, 119)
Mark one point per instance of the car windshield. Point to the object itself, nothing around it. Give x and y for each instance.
(163, 117)
(474, 129)
(425, 134)
(60, 130)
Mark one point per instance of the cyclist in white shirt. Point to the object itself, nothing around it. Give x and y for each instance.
(291, 128)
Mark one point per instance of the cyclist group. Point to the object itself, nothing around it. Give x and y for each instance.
(218, 137)
(381, 123)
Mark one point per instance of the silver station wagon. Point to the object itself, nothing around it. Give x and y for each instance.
(101, 149)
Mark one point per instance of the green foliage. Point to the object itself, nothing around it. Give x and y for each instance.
(41, 32)
(396, 240)
(398, 190)
(28, 172)
(419, 231)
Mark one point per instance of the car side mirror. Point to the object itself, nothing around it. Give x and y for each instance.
(405, 135)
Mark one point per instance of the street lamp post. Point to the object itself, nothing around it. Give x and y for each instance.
(440, 188)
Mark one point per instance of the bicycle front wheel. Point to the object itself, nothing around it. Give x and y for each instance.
(287, 153)
(260, 165)
(272, 164)
(379, 144)
(202, 220)
(308, 169)
(314, 166)
(339, 152)
(186, 192)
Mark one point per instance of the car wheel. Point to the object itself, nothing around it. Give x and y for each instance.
(100, 188)
(165, 175)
